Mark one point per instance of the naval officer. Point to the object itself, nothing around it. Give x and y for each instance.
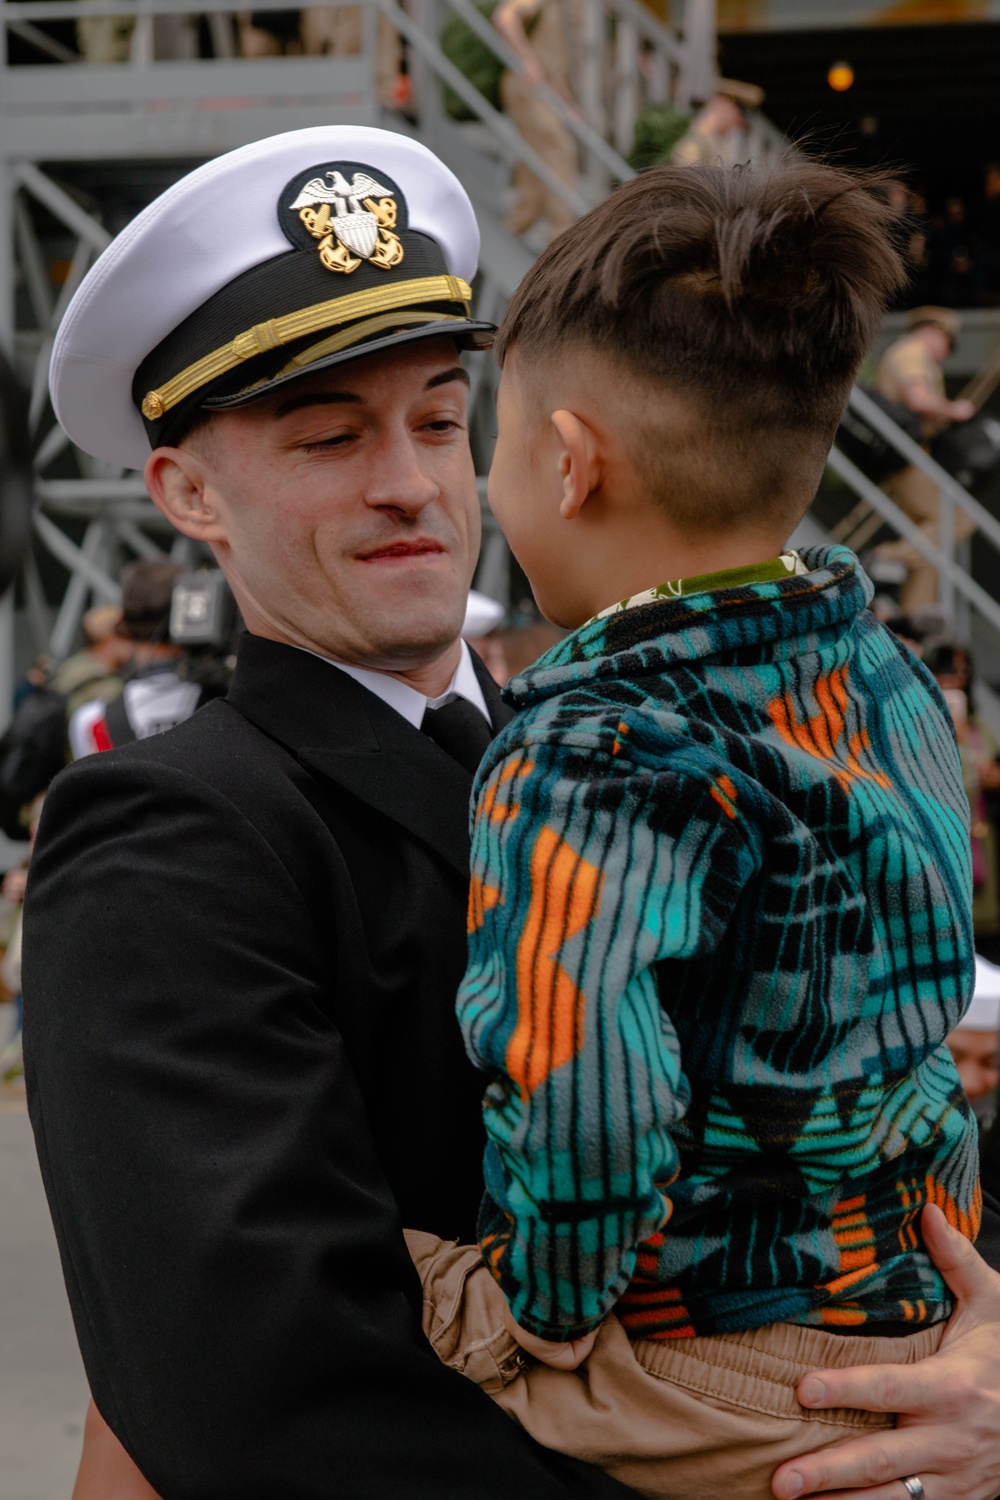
(243, 937)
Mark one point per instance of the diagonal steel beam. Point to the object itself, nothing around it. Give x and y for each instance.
(901, 523)
(59, 202)
(78, 560)
(873, 414)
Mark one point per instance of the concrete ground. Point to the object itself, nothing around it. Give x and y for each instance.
(43, 1392)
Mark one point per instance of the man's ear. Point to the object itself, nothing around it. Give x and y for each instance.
(178, 482)
(579, 462)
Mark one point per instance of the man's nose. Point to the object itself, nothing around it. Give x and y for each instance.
(399, 479)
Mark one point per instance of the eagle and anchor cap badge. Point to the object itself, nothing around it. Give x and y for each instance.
(353, 220)
(347, 240)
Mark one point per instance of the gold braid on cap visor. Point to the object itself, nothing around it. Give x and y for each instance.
(271, 335)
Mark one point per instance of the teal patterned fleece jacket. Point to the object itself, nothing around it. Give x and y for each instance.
(719, 929)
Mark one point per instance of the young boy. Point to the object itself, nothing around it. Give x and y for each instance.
(720, 908)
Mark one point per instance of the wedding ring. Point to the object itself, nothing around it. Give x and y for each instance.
(913, 1487)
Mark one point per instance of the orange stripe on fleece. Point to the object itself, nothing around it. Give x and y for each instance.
(565, 896)
(820, 735)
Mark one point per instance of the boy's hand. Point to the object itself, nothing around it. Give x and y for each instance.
(948, 1428)
(560, 1356)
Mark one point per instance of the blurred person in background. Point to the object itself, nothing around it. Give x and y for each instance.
(950, 664)
(975, 1042)
(717, 134)
(95, 671)
(338, 31)
(538, 31)
(155, 695)
(105, 39)
(269, 33)
(14, 885)
(975, 1047)
(911, 374)
(483, 617)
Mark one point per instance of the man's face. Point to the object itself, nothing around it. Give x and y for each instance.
(347, 507)
(937, 342)
(975, 1054)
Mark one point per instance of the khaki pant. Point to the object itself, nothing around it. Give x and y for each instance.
(917, 496)
(105, 39)
(677, 1419)
(542, 129)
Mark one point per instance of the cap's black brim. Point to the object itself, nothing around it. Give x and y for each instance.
(466, 334)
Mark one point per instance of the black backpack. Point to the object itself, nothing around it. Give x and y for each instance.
(33, 749)
(874, 456)
(969, 450)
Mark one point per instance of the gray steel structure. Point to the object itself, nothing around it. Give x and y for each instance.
(152, 110)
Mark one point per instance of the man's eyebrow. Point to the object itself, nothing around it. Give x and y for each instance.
(456, 373)
(317, 398)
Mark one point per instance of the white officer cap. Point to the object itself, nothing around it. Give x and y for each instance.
(273, 261)
(482, 614)
(983, 1013)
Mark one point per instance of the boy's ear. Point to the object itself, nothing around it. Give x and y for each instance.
(178, 482)
(579, 462)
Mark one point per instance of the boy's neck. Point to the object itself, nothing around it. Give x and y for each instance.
(629, 575)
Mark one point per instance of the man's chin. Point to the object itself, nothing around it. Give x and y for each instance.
(409, 648)
(400, 639)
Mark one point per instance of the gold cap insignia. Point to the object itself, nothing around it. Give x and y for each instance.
(354, 218)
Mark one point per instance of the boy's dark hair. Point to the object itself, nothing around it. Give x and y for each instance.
(755, 293)
(147, 590)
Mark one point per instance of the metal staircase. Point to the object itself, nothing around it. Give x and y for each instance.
(160, 115)
(59, 115)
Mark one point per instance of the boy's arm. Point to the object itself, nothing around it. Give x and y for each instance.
(586, 872)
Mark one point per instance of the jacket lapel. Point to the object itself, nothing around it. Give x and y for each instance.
(499, 713)
(337, 728)
(407, 778)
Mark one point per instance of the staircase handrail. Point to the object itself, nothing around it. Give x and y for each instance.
(518, 148)
(575, 123)
(73, 10)
(905, 446)
(649, 26)
(900, 522)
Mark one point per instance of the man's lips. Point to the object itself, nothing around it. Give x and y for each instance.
(397, 551)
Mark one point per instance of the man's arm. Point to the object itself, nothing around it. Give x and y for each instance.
(510, 18)
(240, 1286)
(948, 1426)
(925, 401)
(586, 873)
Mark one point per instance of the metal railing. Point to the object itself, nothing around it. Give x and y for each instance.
(955, 578)
(60, 107)
(963, 601)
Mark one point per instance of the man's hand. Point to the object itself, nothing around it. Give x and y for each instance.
(948, 1428)
(922, 398)
(567, 1356)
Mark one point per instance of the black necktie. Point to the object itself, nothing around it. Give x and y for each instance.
(460, 730)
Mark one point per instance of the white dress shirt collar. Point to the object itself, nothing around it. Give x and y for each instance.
(410, 703)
